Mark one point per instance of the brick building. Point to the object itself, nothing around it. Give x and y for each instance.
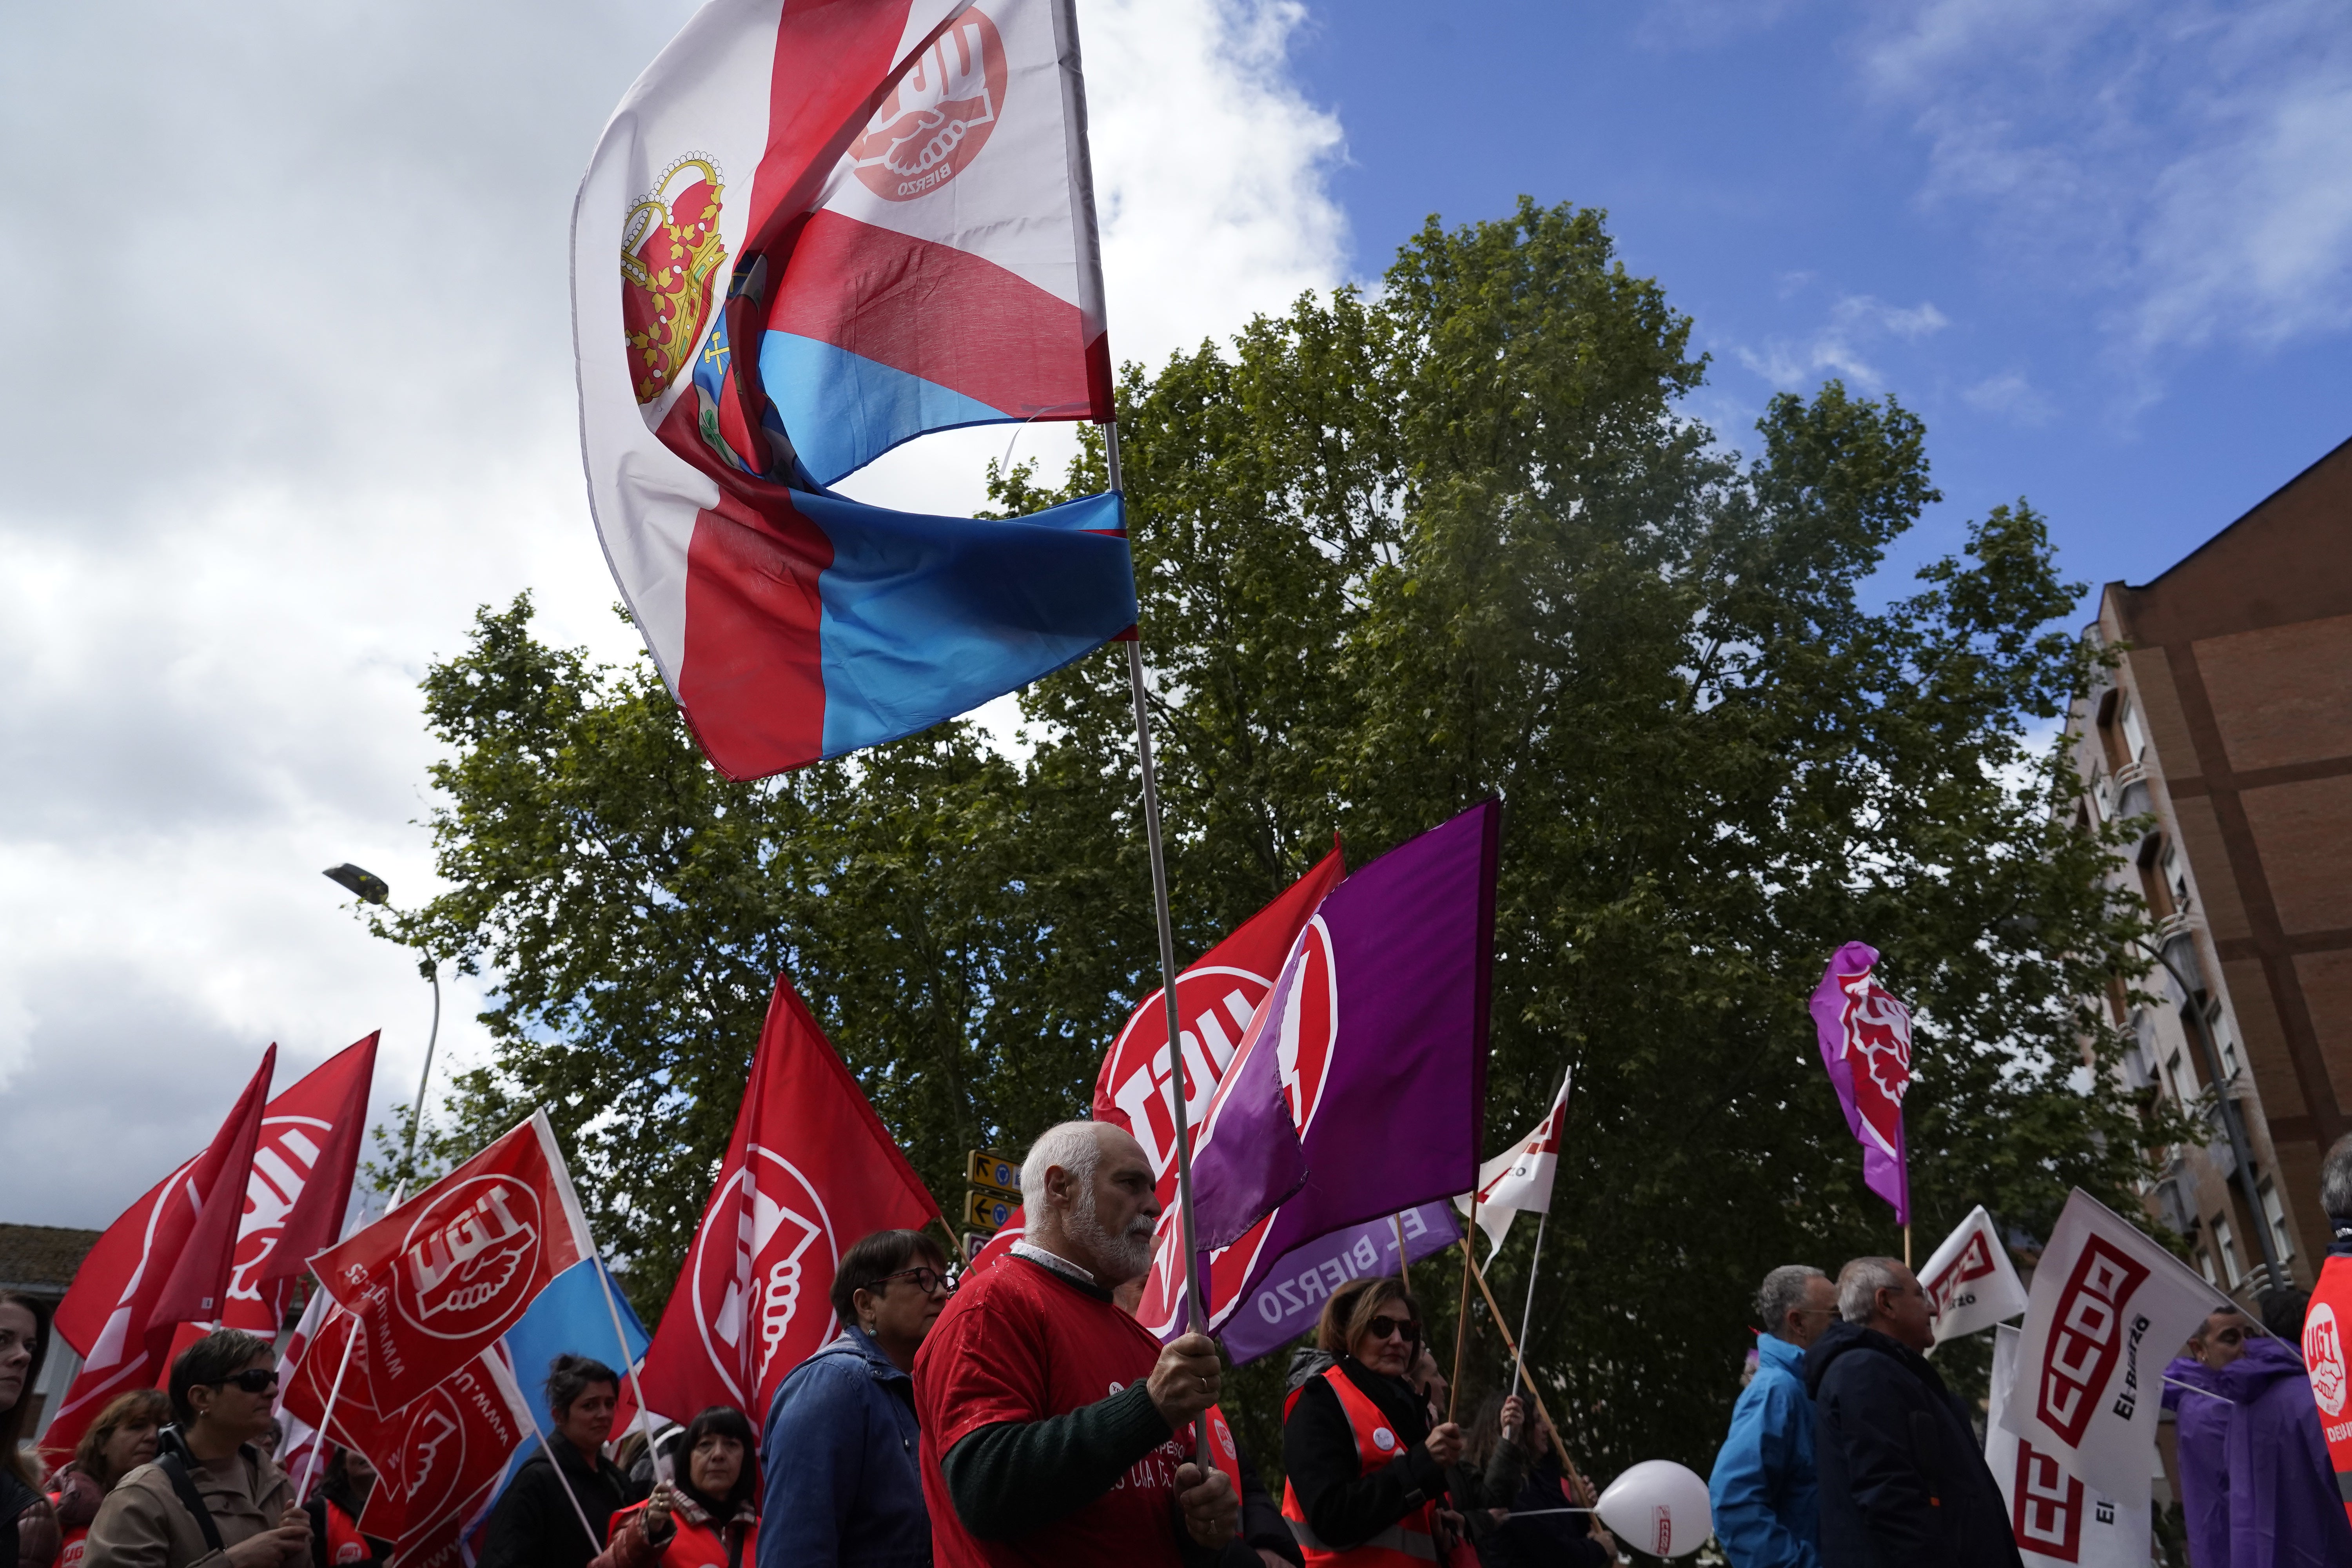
(2228, 721)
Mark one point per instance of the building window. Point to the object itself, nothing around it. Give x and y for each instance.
(2227, 1246)
(2184, 1082)
(2135, 738)
(2275, 1213)
(2176, 877)
(2223, 1041)
(2205, 1263)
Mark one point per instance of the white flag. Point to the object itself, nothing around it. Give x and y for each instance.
(2109, 1308)
(2055, 1518)
(1970, 1281)
(1519, 1177)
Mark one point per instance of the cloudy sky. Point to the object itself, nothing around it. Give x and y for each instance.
(293, 388)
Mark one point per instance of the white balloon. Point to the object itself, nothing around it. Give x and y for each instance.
(1658, 1506)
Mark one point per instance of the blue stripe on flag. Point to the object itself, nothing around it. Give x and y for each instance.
(927, 617)
(844, 410)
(568, 1317)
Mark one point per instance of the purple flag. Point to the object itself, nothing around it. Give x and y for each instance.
(1865, 1035)
(1289, 1298)
(1365, 1072)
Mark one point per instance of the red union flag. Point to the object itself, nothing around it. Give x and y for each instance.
(810, 1170)
(2324, 1362)
(434, 1281)
(2108, 1308)
(1215, 1000)
(1970, 1282)
(441, 1458)
(114, 1315)
(2052, 1515)
(300, 1183)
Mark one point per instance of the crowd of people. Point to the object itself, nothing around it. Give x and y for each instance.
(1024, 1417)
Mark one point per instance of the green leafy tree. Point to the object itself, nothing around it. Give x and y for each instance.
(1395, 555)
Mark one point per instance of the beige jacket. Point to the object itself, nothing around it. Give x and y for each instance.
(143, 1524)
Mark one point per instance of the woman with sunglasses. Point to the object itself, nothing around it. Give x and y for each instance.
(842, 1486)
(1365, 1469)
(210, 1492)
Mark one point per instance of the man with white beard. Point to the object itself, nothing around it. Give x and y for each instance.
(1057, 1431)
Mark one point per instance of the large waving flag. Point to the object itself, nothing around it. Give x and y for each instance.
(118, 1314)
(1366, 1064)
(303, 1162)
(1866, 1039)
(436, 1281)
(811, 231)
(810, 1170)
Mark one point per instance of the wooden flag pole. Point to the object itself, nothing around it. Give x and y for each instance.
(1527, 1378)
(1906, 1244)
(1462, 1317)
(1403, 1276)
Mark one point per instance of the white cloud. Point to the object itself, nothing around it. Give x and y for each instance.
(2012, 395)
(2182, 160)
(1855, 324)
(294, 396)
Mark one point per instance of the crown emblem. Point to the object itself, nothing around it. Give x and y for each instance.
(670, 251)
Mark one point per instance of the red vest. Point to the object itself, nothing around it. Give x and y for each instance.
(694, 1545)
(2327, 1362)
(344, 1541)
(1410, 1542)
(70, 1546)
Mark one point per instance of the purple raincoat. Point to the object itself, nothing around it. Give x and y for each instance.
(2204, 1437)
(2283, 1508)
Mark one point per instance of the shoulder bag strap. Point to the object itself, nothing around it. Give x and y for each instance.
(183, 1486)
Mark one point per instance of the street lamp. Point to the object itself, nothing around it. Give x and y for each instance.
(371, 888)
(2241, 1152)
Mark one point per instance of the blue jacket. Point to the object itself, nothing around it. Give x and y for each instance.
(1766, 1502)
(843, 1489)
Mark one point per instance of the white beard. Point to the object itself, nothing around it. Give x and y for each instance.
(1123, 1257)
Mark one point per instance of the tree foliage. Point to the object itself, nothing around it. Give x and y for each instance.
(1395, 554)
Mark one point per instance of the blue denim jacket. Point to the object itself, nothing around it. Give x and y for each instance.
(1766, 1501)
(843, 1488)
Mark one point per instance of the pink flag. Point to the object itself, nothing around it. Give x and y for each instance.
(1865, 1035)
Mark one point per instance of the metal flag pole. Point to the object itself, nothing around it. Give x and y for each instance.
(1527, 1316)
(628, 1365)
(335, 1390)
(1527, 1379)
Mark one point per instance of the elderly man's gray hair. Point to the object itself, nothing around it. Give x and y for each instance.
(2335, 1179)
(1859, 1283)
(1075, 1146)
(1782, 1292)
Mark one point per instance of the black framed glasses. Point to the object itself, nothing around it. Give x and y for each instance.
(252, 1380)
(929, 1281)
(1382, 1327)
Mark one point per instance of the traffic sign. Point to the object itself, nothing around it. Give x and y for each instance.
(988, 1210)
(995, 1172)
(973, 1240)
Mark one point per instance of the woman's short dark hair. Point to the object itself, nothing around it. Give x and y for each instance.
(1352, 1307)
(139, 1407)
(12, 1420)
(209, 1363)
(873, 1256)
(570, 1376)
(724, 1421)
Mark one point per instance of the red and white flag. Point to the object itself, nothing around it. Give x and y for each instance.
(300, 1183)
(1970, 1282)
(1519, 1178)
(441, 1460)
(2326, 1364)
(1215, 998)
(306, 1382)
(2108, 1309)
(2056, 1518)
(435, 1283)
(810, 1170)
(115, 1315)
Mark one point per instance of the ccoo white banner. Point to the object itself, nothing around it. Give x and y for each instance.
(2108, 1308)
(2056, 1518)
(1970, 1281)
(1519, 1177)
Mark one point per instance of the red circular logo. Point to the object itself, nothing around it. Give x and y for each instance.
(762, 1294)
(466, 1265)
(282, 1163)
(938, 114)
(431, 1457)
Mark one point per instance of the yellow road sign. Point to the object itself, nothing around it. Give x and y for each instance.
(995, 1172)
(988, 1210)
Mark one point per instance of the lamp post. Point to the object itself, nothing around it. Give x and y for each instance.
(2241, 1152)
(371, 888)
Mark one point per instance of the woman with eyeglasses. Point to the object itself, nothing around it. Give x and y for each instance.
(210, 1492)
(1365, 1469)
(709, 1516)
(842, 1484)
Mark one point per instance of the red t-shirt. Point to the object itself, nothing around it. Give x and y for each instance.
(1019, 1343)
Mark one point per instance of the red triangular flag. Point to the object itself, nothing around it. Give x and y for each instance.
(196, 1289)
(300, 1185)
(810, 1171)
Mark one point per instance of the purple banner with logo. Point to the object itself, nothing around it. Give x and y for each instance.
(1289, 1298)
